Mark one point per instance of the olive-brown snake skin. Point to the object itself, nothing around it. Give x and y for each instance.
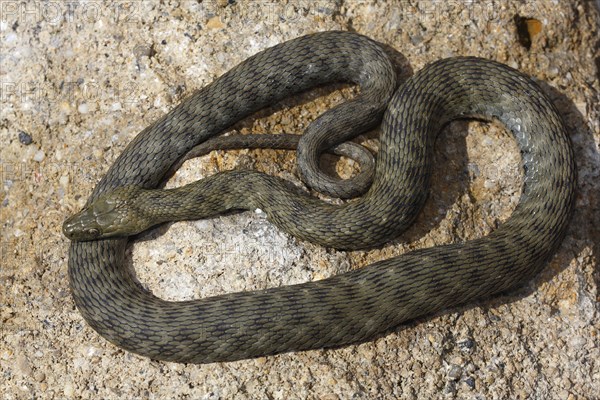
(350, 307)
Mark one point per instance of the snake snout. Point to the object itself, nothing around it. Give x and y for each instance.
(102, 219)
(111, 215)
(81, 226)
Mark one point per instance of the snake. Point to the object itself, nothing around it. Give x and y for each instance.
(347, 308)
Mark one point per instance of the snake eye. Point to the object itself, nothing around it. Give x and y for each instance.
(93, 232)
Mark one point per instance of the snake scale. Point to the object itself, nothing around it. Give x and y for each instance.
(347, 308)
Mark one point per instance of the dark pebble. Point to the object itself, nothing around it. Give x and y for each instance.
(470, 382)
(25, 138)
(466, 345)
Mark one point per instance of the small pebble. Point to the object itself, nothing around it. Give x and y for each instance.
(23, 365)
(534, 26)
(83, 108)
(466, 345)
(215, 23)
(39, 376)
(39, 156)
(470, 381)
(455, 372)
(25, 138)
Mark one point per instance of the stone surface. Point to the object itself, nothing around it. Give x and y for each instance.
(83, 78)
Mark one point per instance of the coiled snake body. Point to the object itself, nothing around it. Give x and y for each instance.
(346, 308)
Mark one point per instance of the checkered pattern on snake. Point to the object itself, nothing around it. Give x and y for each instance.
(350, 307)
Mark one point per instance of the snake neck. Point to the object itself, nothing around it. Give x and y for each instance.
(206, 198)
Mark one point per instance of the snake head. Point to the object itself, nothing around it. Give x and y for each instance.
(111, 215)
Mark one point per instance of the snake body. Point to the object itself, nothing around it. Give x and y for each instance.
(351, 307)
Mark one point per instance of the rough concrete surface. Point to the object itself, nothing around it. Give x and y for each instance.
(79, 80)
